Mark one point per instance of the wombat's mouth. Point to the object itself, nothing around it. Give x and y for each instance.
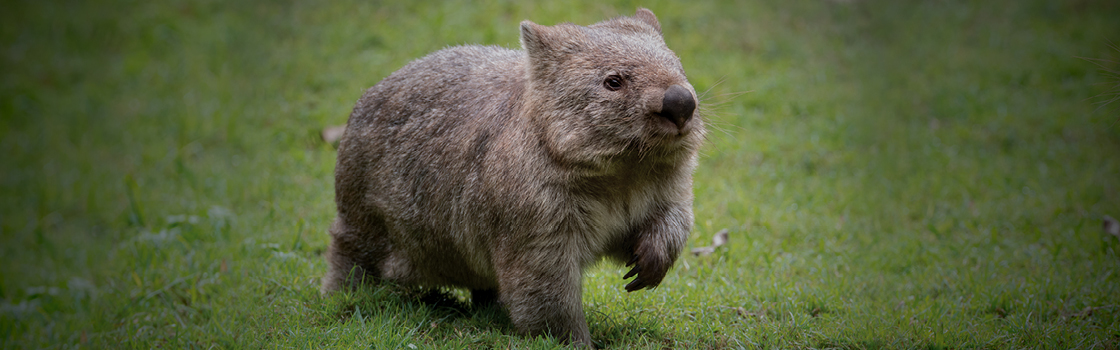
(669, 128)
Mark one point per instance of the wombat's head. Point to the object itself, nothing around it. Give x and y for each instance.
(610, 89)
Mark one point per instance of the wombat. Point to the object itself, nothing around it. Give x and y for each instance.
(510, 172)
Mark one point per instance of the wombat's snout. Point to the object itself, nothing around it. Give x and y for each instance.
(678, 105)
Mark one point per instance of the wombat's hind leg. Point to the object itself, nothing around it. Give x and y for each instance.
(351, 258)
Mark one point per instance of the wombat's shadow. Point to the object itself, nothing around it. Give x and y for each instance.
(450, 314)
(606, 330)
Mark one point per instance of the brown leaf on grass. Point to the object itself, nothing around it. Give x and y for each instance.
(332, 134)
(1088, 311)
(750, 314)
(1000, 312)
(1111, 226)
(719, 239)
(703, 251)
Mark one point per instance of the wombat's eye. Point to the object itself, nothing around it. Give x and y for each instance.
(613, 83)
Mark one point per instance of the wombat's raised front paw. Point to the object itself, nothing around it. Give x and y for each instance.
(650, 269)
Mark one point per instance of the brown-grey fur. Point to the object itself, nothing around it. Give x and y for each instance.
(509, 172)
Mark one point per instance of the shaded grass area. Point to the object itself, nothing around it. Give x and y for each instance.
(927, 174)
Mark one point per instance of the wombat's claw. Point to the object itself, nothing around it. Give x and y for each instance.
(636, 284)
(633, 271)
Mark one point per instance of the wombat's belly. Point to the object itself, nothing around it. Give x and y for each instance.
(449, 258)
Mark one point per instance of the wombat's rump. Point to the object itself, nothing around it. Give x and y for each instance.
(509, 172)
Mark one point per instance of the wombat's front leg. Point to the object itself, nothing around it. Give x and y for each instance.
(541, 289)
(656, 246)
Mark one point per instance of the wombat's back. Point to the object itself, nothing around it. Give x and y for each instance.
(411, 162)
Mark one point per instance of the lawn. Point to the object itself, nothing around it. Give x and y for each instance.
(921, 174)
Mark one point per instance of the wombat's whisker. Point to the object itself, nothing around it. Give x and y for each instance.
(728, 97)
(1105, 65)
(704, 94)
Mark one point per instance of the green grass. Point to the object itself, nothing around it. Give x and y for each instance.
(923, 175)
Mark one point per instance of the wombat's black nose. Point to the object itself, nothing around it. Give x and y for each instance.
(678, 105)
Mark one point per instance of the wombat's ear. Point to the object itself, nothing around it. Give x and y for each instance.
(645, 15)
(545, 44)
(533, 39)
(549, 45)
